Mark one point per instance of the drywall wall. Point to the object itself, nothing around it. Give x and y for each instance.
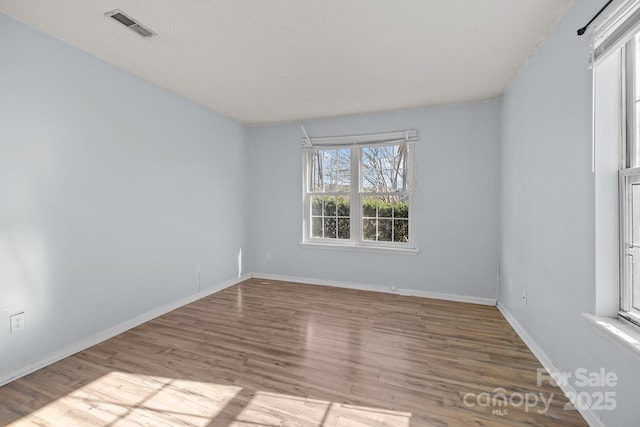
(457, 203)
(548, 236)
(111, 191)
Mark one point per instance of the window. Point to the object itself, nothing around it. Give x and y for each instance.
(615, 53)
(359, 191)
(630, 184)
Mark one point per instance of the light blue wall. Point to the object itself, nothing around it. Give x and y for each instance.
(111, 190)
(457, 202)
(548, 241)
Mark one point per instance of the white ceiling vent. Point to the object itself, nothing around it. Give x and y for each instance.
(130, 23)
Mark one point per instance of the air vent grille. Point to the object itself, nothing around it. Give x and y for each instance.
(130, 23)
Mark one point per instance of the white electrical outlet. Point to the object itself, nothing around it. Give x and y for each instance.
(524, 297)
(17, 322)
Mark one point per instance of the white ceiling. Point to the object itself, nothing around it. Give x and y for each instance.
(267, 61)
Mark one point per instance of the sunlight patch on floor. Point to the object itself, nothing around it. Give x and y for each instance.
(271, 409)
(120, 398)
(123, 399)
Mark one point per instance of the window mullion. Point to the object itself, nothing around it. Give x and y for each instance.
(411, 192)
(355, 217)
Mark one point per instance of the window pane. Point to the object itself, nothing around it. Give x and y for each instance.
(369, 231)
(369, 207)
(344, 230)
(401, 230)
(631, 294)
(330, 228)
(385, 218)
(401, 207)
(385, 208)
(634, 150)
(635, 214)
(344, 208)
(384, 168)
(385, 230)
(330, 217)
(316, 205)
(331, 170)
(633, 138)
(330, 206)
(635, 291)
(316, 227)
(635, 242)
(636, 68)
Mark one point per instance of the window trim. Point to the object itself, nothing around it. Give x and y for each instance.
(628, 175)
(356, 195)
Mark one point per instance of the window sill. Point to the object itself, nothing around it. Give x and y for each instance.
(616, 330)
(361, 248)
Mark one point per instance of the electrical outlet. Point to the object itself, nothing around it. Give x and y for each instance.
(524, 297)
(17, 322)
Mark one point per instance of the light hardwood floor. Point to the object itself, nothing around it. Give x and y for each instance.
(268, 353)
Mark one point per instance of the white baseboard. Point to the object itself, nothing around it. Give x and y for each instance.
(590, 417)
(377, 288)
(41, 362)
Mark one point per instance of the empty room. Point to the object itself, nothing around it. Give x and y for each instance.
(319, 213)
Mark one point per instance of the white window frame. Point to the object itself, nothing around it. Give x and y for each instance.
(609, 34)
(356, 194)
(629, 175)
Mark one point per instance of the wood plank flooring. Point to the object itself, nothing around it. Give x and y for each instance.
(269, 353)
